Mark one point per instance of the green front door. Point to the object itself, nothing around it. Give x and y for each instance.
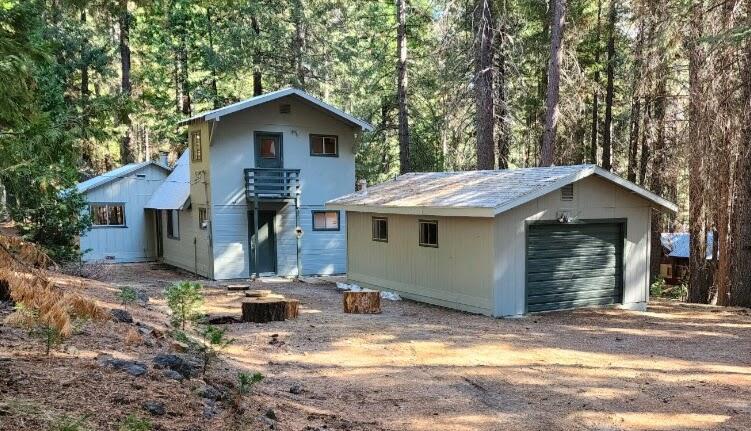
(574, 265)
(266, 242)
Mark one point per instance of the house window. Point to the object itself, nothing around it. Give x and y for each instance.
(268, 148)
(380, 229)
(567, 192)
(428, 233)
(325, 220)
(203, 218)
(195, 146)
(107, 214)
(173, 224)
(324, 145)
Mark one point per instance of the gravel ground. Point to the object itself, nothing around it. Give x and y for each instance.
(420, 367)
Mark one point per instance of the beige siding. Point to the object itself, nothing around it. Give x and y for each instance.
(200, 197)
(594, 198)
(457, 274)
(184, 252)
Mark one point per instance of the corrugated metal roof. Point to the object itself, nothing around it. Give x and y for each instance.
(477, 193)
(679, 244)
(121, 172)
(274, 95)
(174, 192)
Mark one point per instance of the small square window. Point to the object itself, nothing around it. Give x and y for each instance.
(428, 233)
(380, 229)
(325, 220)
(324, 145)
(203, 218)
(268, 148)
(195, 146)
(173, 224)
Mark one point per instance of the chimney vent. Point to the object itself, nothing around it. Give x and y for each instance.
(362, 186)
(164, 158)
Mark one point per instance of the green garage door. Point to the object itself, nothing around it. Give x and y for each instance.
(574, 265)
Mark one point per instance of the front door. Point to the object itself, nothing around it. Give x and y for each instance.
(268, 150)
(266, 242)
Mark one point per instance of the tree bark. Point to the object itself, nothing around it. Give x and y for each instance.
(503, 130)
(126, 148)
(257, 78)
(740, 291)
(658, 172)
(483, 85)
(182, 52)
(607, 132)
(596, 92)
(635, 121)
(212, 66)
(405, 162)
(298, 42)
(547, 149)
(699, 281)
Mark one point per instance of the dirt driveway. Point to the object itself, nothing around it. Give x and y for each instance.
(419, 367)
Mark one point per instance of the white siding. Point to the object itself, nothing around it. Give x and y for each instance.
(323, 178)
(594, 198)
(136, 242)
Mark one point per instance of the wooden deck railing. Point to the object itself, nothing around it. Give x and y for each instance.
(271, 183)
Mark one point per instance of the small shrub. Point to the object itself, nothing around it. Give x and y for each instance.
(213, 342)
(134, 423)
(184, 300)
(245, 381)
(49, 335)
(67, 423)
(127, 295)
(657, 287)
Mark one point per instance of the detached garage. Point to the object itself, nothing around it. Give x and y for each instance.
(504, 242)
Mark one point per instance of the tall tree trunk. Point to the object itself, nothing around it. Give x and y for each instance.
(547, 149)
(298, 42)
(182, 52)
(126, 150)
(607, 131)
(483, 85)
(645, 141)
(257, 78)
(212, 66)
(635, 121)
(503, 130)
(740, 292)
(405, 162)
(659, 164)
(596, 92)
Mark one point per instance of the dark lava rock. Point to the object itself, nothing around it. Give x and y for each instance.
(295, 389)
(133, 368)
(185, 367)
(271, 414)
(209, 392)
(121, 316)
(174, 375)
(154, 407)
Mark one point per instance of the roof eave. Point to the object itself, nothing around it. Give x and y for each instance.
(415, 210)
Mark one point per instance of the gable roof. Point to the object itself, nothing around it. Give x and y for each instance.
(216, 114)
(174, 192)
(115, 174)
(476, 193)
(678, 244)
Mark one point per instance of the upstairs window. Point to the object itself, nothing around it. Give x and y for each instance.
(428, 233)
(325, 220)
(173, 224)
(267, 148)
(324, 145)
(107, 215)
(195, 146)
(380, 229)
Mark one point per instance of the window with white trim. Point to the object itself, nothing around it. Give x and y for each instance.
(107, 215)
(325, 220)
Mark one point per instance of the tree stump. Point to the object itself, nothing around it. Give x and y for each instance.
(366, 301)
(236, 287)
(264, 310)
(257, 293)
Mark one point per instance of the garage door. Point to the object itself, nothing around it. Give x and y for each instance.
(575, 265)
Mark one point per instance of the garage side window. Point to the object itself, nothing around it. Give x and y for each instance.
(380, 229)
(173, 224)
(324, 145)
(325, 220)
(107, 215)
(428, 233)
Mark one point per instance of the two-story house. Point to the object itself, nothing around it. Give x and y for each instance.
(247, 197)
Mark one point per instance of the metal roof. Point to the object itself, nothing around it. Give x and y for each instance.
(174, 192)
(678, 244)
(476, 193)
(115, 174)
(216, 114)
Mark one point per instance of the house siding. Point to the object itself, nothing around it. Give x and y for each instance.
(322, 178)
(186, 251)
(136, 242)
(458, 273)
(594, 198)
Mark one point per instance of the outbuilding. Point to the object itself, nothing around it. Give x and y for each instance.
(504, 242)
(122, 229)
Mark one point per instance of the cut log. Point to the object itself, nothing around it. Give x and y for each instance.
(4, 291)
(263, 310)
(257, 293)
(362, 302)
(234, 287)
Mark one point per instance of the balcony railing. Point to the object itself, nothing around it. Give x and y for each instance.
(272, 183)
